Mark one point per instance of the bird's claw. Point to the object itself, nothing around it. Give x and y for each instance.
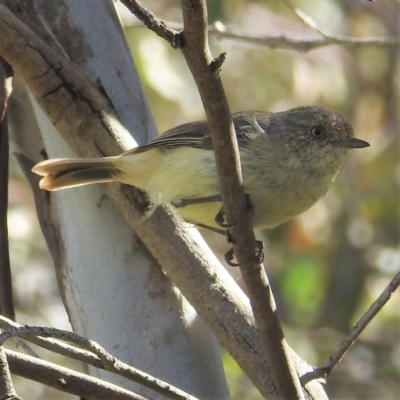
(259, 254)
(220, 217)
(229, 257)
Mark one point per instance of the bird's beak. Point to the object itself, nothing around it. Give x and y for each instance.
(351, 142)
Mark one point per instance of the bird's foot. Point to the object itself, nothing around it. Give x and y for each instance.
(258, 253)
(220, 217)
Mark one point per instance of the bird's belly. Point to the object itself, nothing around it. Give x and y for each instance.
(279, 205)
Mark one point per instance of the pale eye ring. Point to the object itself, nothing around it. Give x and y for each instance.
(317, 131)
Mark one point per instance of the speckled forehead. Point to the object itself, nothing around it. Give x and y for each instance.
(340, 124)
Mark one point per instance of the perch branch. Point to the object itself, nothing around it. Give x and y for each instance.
(206, 75)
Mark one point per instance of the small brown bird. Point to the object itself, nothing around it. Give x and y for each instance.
(289, 160)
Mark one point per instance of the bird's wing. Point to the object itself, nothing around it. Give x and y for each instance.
(197, 134)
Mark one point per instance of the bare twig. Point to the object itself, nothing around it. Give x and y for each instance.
(331, 38)
(65, 379)
(7, 390)
(6, 296)
(308, 21)
(301, 45)
(53, 345)
(334, 359)
(220, 31)
(172, 36)
(107, 360)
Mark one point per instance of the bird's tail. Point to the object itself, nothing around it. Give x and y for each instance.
(63, 173)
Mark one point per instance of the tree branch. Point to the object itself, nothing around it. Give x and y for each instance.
(172, 36)
(220, 31)
(200, 62)
(7, 390)
(335, 358)
(300, 45)
(331, 38)
(54, 345)
(66, 380)
(103, 360)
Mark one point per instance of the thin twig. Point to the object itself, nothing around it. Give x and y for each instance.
(172, 36)
(301, 45)
(335, 358)
(332, 38)
(108, 361)
(53, 345)
(220, 31)
(65, 379)
(7, 390)
(308, 21)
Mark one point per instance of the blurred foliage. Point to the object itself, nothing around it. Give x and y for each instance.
(327, 266)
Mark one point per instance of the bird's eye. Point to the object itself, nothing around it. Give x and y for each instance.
(317, 132)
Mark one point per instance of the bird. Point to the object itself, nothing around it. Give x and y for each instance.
(289, 160)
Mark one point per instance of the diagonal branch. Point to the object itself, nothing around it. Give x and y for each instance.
(331, 38)
(7, 390)
(37, 334)
(200, 62)
(65, 379)
(335, 358)
(152, 22)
